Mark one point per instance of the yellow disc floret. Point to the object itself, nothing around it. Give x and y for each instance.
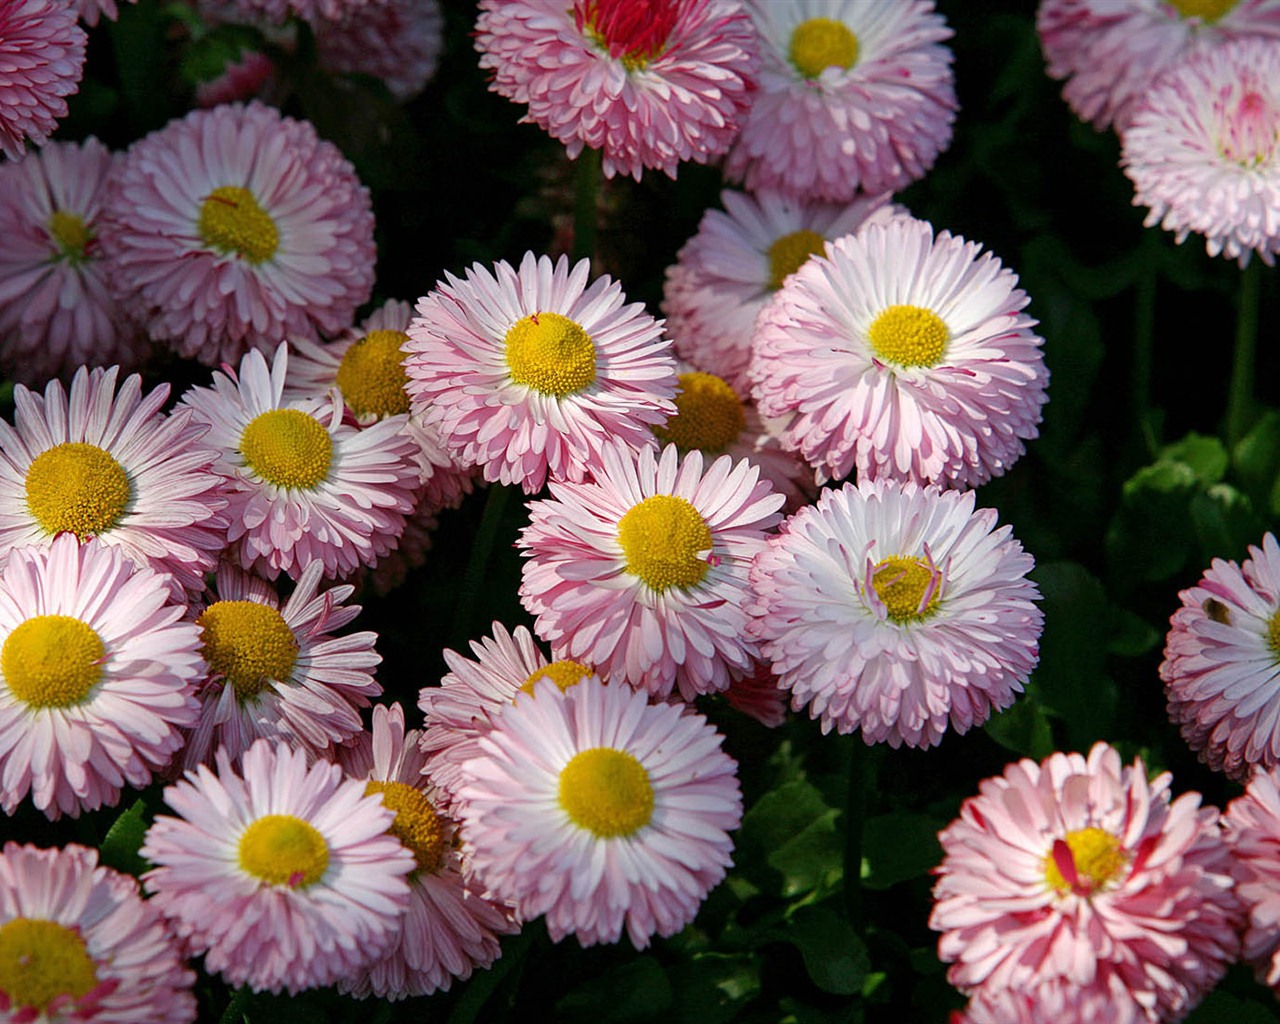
(52, 661)
(1098, 858)
(417, 825)
(288, 448)
(607, 792)
(709, 415)
(821, 43)
(551, 354)
(1273, 634)
(909, 336)
(790, 252)
(248, 644)
(71, 234)
(371, 375)
(283, 850)
(661, 539)
(77, 488)
(39, 962)
(231, 221)
(901, 585)
(563, 673)
(1206, 10)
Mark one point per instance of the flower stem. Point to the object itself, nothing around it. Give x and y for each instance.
(863, 764)
(586, 189)
(1144, 320)
(1240, 405)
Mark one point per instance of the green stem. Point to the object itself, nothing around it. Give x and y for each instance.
(586, 189)
(478, 565)
(1240, 406)
(1144, 320)
(863, 764)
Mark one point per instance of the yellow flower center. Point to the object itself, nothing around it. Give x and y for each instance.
(76, 488)
(1273, 633)
(71, 234)
(371, 375)
(283, 850)
(288, 448)
(417, 824)
(248, 644)
(790, 252)
(551, 354)
(563, 673)
(607, 792)
(40, 961)
(1097, 857)
(901, 585)
(1206, 10)
(709, 415)
(52, 661)
(821, 43)
(231, 221)
(909, 336)
(661, 538)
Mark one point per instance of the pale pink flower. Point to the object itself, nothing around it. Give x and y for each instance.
(41, 62)
(1079, 872)
(1106, 999)
(1252, 832)
(55, 311)
(601, 811)
(284, 877)
(277, 11)
(302, 484)
(725, 273)
(1203, 149)
(96, 676)
(1110, 52)
(855, 95)
(902, 354)
(896, 611)
(530, 372)
(395, 41)
(242, 79)
(97, 463)
(642, 572)
(451, 926)
(91, 10)
(1222, 660)
(98, 951)
(667, 80)
(234, 228)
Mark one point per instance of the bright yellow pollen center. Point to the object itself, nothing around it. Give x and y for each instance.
(709, 415)
(551, 354)
(909, 336)
(283, 850)
(790, 252)
(417, 825)
(1098, 858)
(371, 375)
(76, 488)
(71, 233)
(52, 661)
(821, 43)
(1206, 10)
(607, 792)
(231, 221)
(1273, 634)
(288, 448)
(248, 644)
(900, 583)
(563, 673)
(41, 960)
(661, 538)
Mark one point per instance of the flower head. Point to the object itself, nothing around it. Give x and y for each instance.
(1252, 831)
(395, 41)
(42, 54)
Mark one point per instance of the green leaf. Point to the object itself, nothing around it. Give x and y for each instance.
(792, 829)
(1257, 460)
(1131, 635)
(834, 957)
(712, 987)
(1206, 457)
(1023, 728)
(897, 847)
(124, 839)
(636, 991)
(1225, 523)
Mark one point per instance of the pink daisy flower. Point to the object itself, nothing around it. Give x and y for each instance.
(55, 311)
(642, 573)
(1080, 872)
(1252, 831)
(110, 465)
(451, 926)
(395, 41)
(42, 54)
(600, 810)
(1203, 150)
(277, 671)
(1222, 660)
(96, 676)
(669, 80)
(285, 876)
(245, 78)
(235, 227)
(410, 551)
(277, 11)
(896, 611)
(1110, 52)
(475, 691)
(91, 10)
(80, 943)
(855, 95)
(902, 354)
(303, 485)
(1106, 999)
(531, 372)
(758, 695)
(724, 274)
